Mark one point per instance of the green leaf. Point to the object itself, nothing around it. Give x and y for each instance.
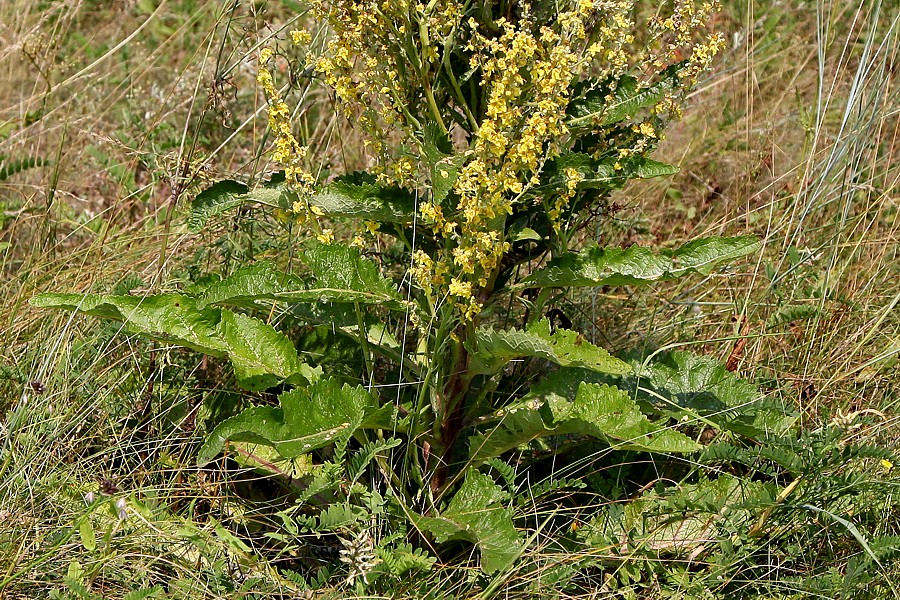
(340, 274)
(606, 173)
(262, 356)
(360, 196)
(218, 198)
(682, 518)
(638, 265)
(518, 426)
(87, 535)
(565, 403)
(477, 514)
(491, 350)
(609, 413)
(599, 104)
(683, 384)
(306, 419)
(343, 275)
(443, 164)
(259, 281)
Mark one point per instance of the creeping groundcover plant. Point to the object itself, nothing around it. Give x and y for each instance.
(495, 132)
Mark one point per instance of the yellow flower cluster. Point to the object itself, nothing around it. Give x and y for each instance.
(380, 61)
(391, 65)
(527, 71)
(288, 151)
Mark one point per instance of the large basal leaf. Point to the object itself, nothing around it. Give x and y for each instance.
(477, 514)
(607, 412)
(701, 385)
(259, 281)
(491, 350)
(307, 418)
(262, 356)
(340, 274)
(638, 265)
(219, 197)
(566, 403)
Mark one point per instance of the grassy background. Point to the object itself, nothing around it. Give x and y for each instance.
(113, 114)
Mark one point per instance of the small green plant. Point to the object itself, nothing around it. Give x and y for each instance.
(496, 132)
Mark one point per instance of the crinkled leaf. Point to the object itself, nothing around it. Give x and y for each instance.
(259, 281)
(340, 275)
(605, 173)
(219, 197)
(262, 356)
(443, 164)
(306, 418)
(477, 514)
(606, 412)
(360, 196)
(491, 350)
(517, 426)
(566, 402)
(702, 385)
(638, 265)
(598, 104)
(682, 519)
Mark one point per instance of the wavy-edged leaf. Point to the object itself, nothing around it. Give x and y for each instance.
(477, 514)
(340, 273)
(262, 356)
(437, 149)
(360, 196)
(218, 198)
(702, 385)
(491, 350)
(564, 404)
(610, 172)
(307, 418)
(600, 105)
(259, 281)
(606, 412)
(518, 426)
(638, 265)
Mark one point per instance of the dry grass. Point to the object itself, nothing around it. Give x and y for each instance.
(133, 105)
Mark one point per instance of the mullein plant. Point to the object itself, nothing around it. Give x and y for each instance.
(495, 131)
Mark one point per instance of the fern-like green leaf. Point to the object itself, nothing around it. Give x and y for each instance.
(306, 419)
(491, 350)
(262, 356)
(637, 265)
(403, 558)
(477, 514)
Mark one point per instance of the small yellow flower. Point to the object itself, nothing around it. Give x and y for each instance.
(888, 465)
(326, 237)
(301, 37)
